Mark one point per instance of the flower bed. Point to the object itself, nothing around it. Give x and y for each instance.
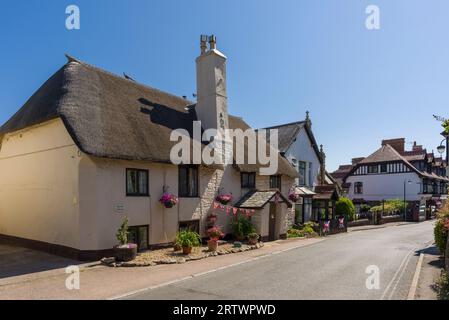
(168, 256)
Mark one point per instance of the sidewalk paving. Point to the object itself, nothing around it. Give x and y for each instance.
(100, 282)
(430, 272)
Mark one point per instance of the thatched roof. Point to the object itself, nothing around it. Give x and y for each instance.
(112, 117)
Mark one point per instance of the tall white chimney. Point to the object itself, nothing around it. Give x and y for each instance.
(212, 100)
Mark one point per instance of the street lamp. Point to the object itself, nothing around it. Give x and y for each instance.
(441, 148)
(405, 203)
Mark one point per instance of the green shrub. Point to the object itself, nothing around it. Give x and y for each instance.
(364, 208)
(440, 233)
(295, 233)
(345, 207)
(308, 229)
(442, 286)
(242, 227)
(389, 207)
(122, 232)
(188, 238)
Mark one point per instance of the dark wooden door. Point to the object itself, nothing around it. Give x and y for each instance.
(272, 218)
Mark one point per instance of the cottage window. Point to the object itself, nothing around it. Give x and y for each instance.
(383, 168)
(358, 188)
(139, 235)
(193, 225)
(302, 173)
(137, 182)
(275, 182)
(248, 180)
(188, 181)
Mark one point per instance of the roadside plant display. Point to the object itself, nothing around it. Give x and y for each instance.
(306, 230)
(224, 199)
(345, 207)
(187, 240)
(214, 235)
(442, 286)
(441, 229)
(168, 200)
(242, 227)
(253, 238)
(211, 219)
(124, 251)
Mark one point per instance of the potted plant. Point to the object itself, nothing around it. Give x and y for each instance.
(168, 200)
(124, 251)
(224, 199)
(176, 245)
(253, 238)
(242, 227)
(214, 234)
(188, 239)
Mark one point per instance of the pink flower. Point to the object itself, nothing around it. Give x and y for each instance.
(224, 198)
(168, 200)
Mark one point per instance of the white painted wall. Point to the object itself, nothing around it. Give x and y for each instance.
(302, 150)
(378, 187)
(39, 197)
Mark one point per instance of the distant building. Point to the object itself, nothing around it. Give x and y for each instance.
(392, 172)
(318, 191)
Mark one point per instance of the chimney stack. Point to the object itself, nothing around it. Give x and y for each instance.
(323, 167)
(397, 144)
(212, 101)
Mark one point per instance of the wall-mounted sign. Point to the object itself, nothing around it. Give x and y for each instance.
(119, 208)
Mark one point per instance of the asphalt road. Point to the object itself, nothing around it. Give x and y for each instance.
(331, 269)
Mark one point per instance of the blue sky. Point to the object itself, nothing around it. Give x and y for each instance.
(285, 57)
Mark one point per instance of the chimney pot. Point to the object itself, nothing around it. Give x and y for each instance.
(203, 42)
(212, 42)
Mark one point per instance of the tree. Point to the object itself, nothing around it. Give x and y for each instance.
(345, 207)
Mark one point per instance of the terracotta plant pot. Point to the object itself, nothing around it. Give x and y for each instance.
(125, 254)
(177, 247)
(187, 250)
(253, 241)
(212, 245)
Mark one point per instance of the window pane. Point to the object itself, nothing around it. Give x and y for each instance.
(143, 179)
(183, 190)
(143, 238)
(252, 180)
(193, 182)
(132, 182)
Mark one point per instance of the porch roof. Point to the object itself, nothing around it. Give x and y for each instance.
(304, 191)
(257, 199)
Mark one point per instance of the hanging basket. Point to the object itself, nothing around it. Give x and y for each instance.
(168, 200)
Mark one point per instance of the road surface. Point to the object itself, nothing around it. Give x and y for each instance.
(332, 269)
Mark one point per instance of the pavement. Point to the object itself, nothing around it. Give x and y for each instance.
(432, 264)
(16, 261)
(101, 282)
(333, 267)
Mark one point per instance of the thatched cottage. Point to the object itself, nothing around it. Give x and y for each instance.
(90, 147)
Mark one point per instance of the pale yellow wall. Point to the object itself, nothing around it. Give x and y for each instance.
(102, 185)
(52, 192)
(39, 184)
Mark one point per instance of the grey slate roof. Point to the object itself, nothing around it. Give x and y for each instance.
(113, 117)
(256, 199)
(288, 134)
